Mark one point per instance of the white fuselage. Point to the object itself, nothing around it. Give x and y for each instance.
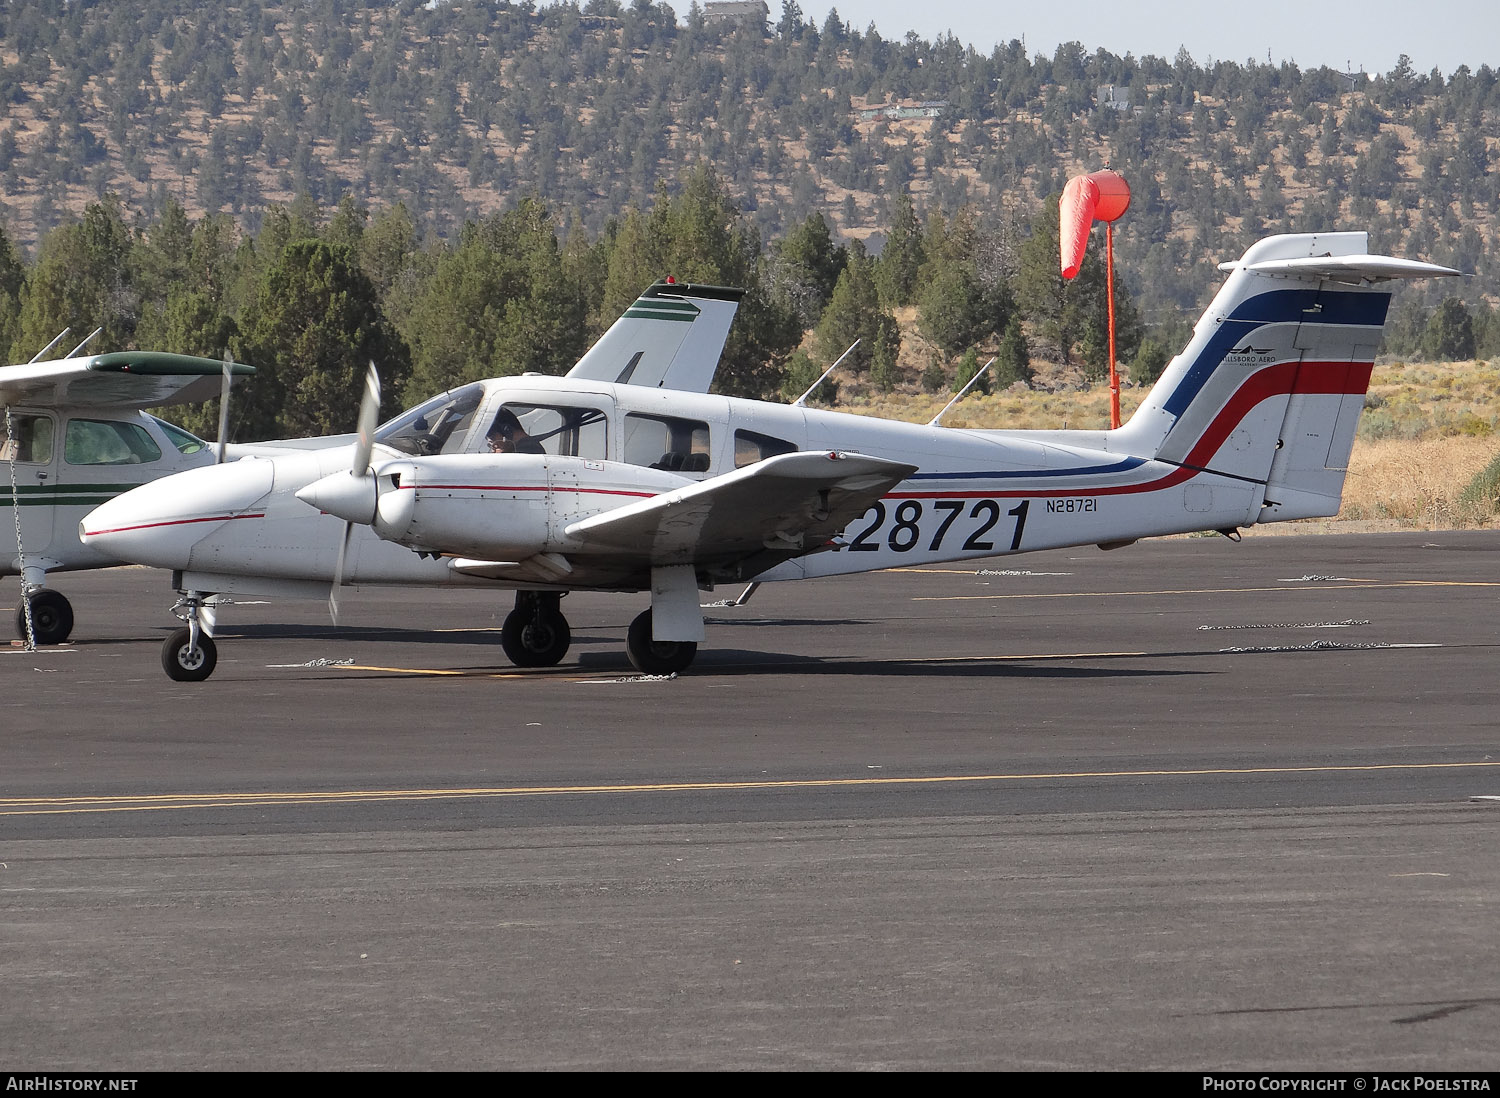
(241, 527)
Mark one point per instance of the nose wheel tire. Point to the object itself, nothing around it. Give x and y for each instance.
(533, 639)
(51, 617)
(654, 657)
(184, 663)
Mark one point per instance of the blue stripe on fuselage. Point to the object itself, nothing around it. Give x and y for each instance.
(994, 474)
(1275, 307)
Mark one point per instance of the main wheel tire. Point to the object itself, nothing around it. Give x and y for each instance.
(654, 657)
(533, 639)
(51, 617)
(184, 663)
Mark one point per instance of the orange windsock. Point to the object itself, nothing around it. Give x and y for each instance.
(1098, 196)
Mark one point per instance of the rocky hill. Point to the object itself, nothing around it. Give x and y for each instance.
(458, 109)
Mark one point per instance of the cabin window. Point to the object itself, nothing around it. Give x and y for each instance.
(665, 442)
(31, 441)
(557, 429)
(108, 442)
(752, 446)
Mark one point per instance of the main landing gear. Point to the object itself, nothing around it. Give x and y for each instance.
(536, 634)
(189, 654)
(654, 657)
(51, 616)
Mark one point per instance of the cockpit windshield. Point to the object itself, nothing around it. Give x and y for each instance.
(435, 427)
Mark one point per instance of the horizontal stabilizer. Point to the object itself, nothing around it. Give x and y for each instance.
(768, 512)
(1346, 268)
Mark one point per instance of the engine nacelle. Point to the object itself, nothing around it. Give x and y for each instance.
(504, 507)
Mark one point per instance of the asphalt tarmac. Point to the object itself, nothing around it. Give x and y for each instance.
(1190, 805)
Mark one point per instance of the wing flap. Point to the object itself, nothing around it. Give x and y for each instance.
(777, 509)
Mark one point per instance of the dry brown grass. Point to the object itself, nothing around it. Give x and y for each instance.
(1416, 483)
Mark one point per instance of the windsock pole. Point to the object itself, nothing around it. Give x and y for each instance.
(1109, 282)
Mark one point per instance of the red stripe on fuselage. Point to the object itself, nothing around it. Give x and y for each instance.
(528, 488)
(171, 522)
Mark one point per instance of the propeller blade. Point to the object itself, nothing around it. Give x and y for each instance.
(369, 409)
(338, 574)
(224, 407)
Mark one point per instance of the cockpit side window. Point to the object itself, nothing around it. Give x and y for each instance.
(31, 440)
(437, 427)
(562, 430)
(108, 442)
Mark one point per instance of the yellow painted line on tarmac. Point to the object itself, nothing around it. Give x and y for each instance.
(44, 806)
(391, 670)
(533, 672)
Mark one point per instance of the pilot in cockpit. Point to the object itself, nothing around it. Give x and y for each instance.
(507, 436)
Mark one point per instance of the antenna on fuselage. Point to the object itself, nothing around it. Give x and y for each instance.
(801, 401)
(979, 373)
(55, 341)
(89, 339)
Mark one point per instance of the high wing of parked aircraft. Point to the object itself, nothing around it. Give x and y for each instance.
(78, 435)
(622, 487)
(75, 433)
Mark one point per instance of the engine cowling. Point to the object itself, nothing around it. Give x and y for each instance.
(502, 507)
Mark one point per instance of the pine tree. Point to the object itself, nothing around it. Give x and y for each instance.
(82, 280)
(313, 328)
(902, 256)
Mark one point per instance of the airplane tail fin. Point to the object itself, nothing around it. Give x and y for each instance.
(671, 338)
(1270, 387)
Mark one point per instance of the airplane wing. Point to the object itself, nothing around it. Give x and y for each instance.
(746, 521)
(122, 379)
(671, 338)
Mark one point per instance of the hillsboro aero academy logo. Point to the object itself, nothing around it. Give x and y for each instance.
(1249, 356)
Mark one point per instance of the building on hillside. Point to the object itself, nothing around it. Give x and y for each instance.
(742, 13)
(1113, 96)
(896, 111)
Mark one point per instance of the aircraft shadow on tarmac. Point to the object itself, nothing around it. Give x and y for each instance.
(721, 663)
(742, 662)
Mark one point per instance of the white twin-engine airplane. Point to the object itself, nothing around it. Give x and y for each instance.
(618, 487)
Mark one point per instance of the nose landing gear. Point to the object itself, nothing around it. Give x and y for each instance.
(189, 654)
